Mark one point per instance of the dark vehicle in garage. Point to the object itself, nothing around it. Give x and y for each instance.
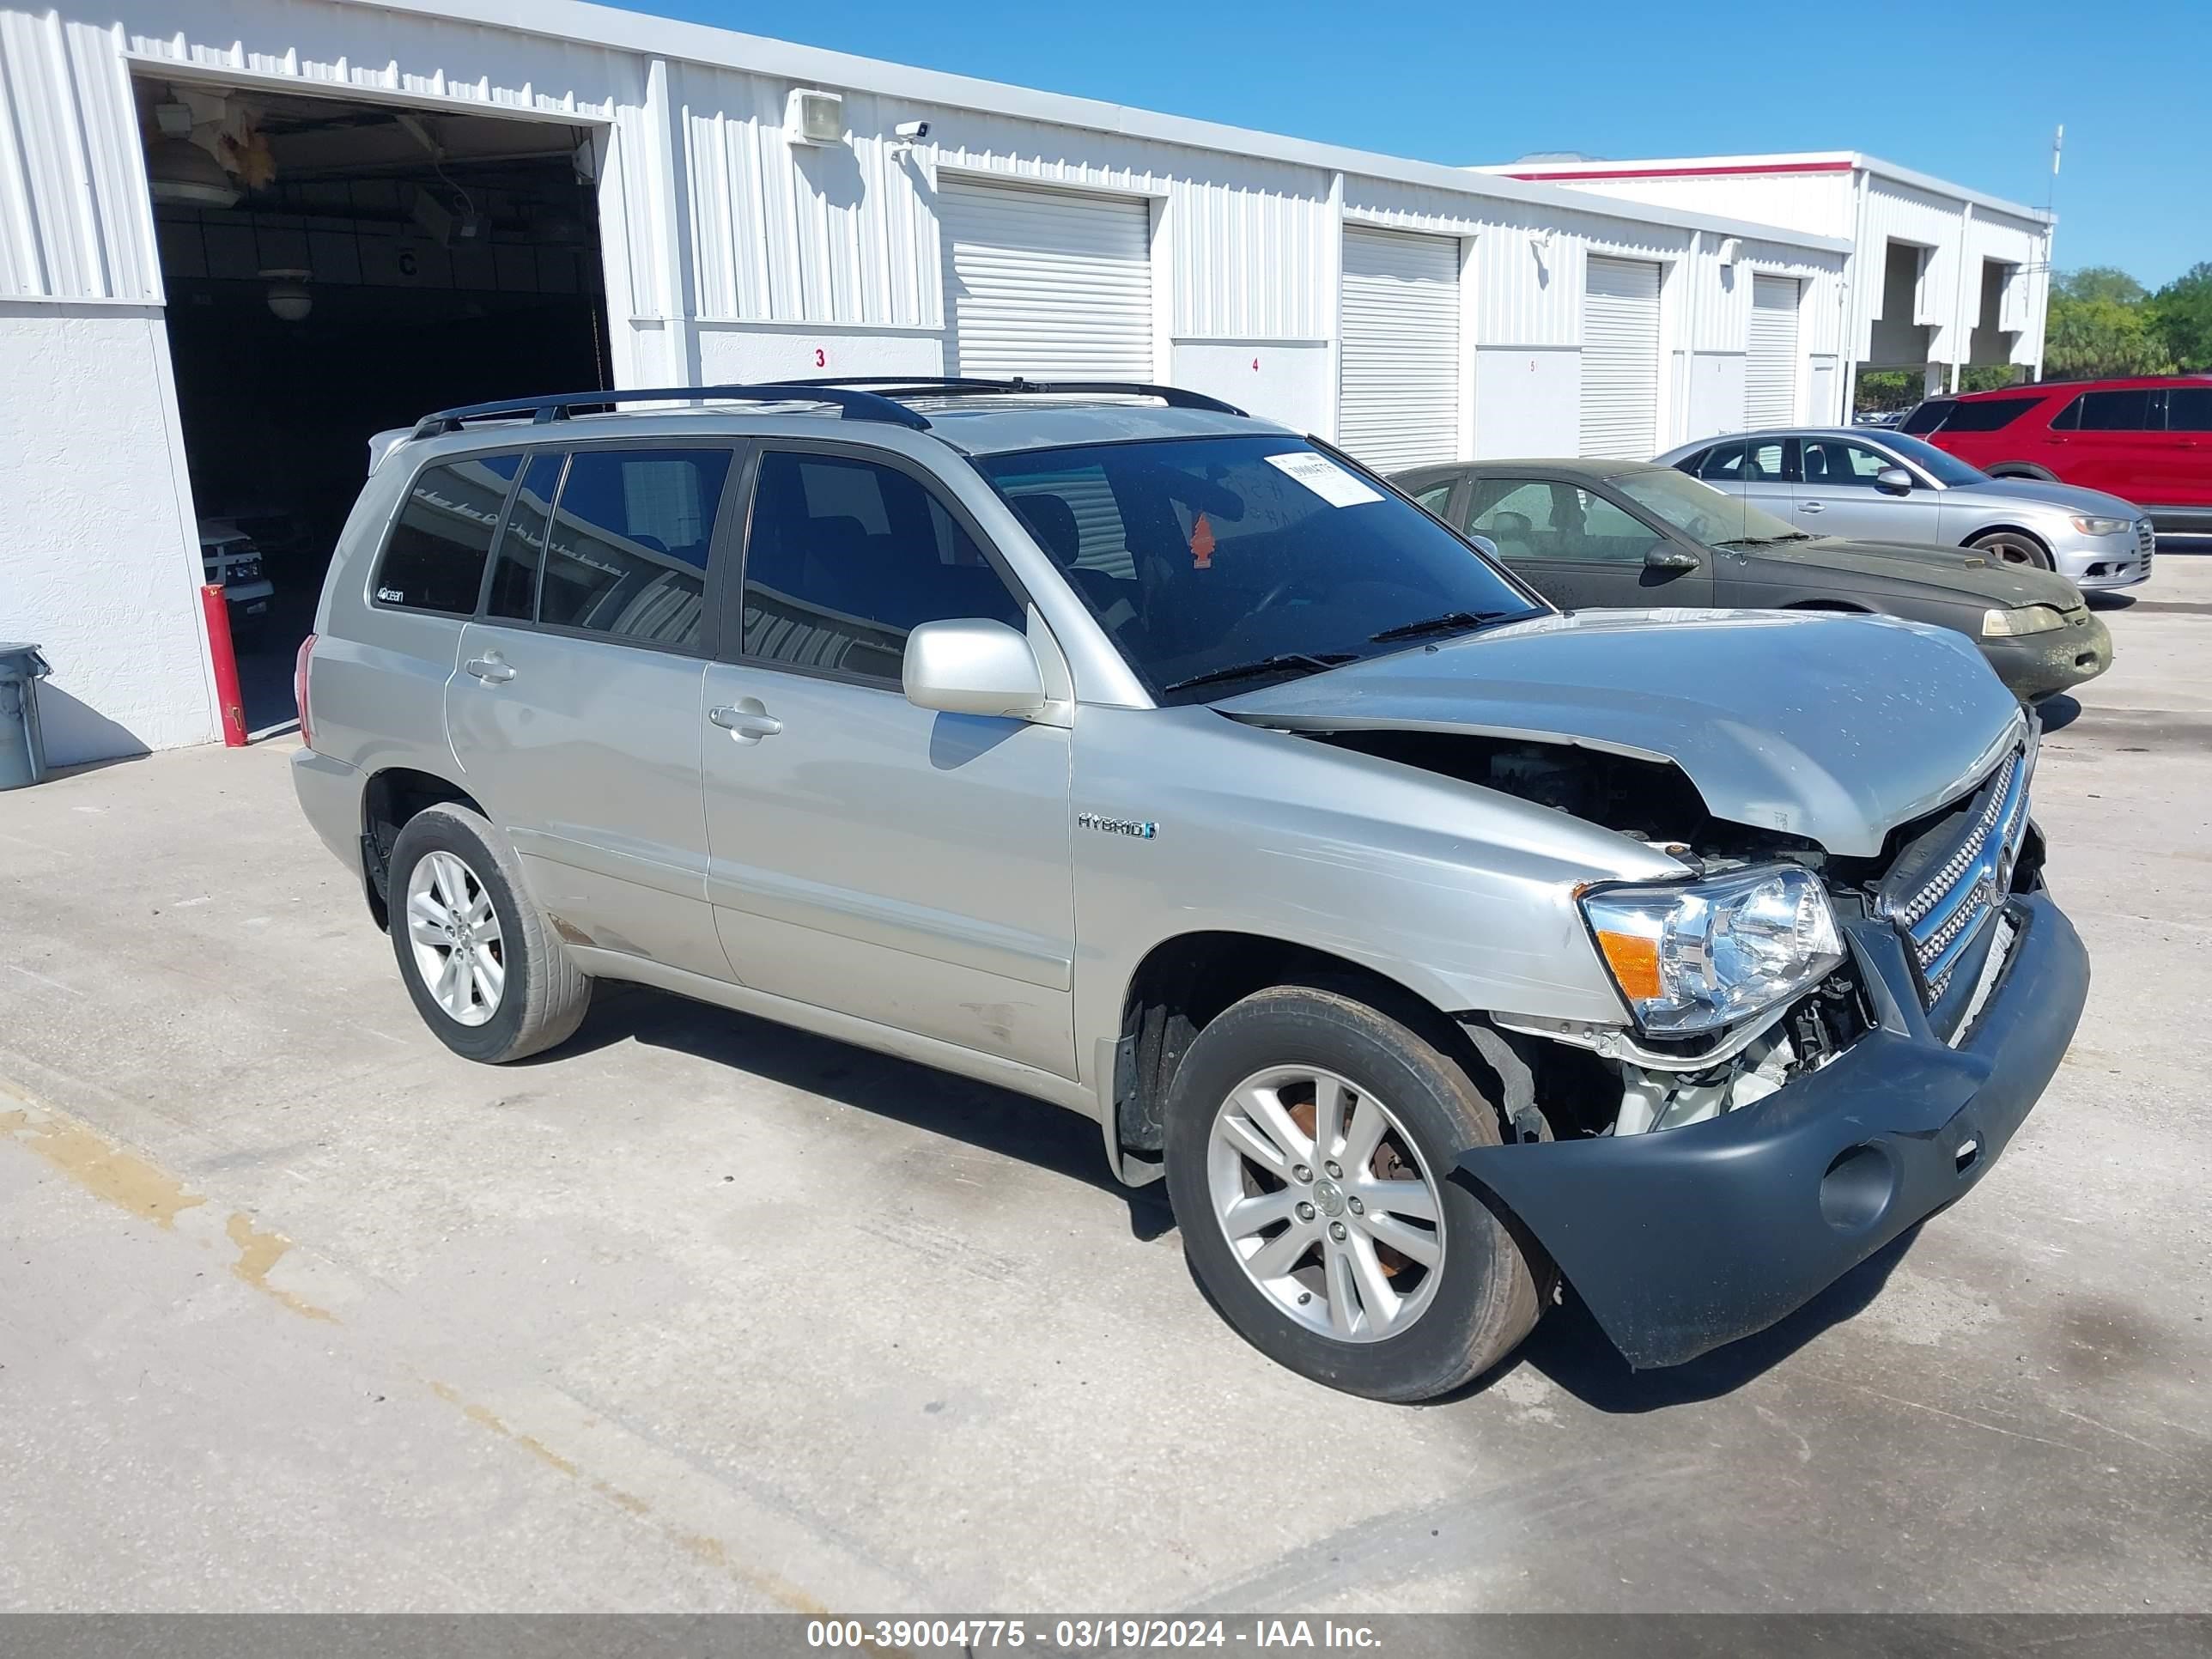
(1589, 534)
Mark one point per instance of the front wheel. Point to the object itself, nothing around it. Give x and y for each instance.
(484, 970)
(2013, 547)
(1310, 1140)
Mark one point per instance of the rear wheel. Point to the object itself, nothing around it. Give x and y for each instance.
(486, 973)
(2013, 547)
(1310, 1140)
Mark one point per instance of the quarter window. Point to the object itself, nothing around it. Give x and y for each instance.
(627, 552)
(845, 556)
(434, 560)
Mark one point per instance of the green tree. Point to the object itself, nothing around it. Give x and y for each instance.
(2100, 325)
(2181, 316)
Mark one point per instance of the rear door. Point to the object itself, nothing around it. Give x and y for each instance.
(1579, 549)
(1835, 495)
(2185, 477)
(908, 867)
(2105, 439)
(575, 710)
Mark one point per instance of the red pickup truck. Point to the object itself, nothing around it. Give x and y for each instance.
(2148, 441)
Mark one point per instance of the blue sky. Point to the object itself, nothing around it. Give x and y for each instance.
(1966, 89)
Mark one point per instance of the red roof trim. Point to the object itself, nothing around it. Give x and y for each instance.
(1687, 173)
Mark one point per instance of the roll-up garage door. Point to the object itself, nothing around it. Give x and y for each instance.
(1398, 401)
(1620, 358)
(1046, 282)
(1770, 374)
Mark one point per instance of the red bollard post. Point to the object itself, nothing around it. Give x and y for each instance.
(225, 658)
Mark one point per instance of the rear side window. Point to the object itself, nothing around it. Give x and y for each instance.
(627, 553)
(2107, 411)
(434, 560)
(1984, 414)
(1764, 462)
(522, 541)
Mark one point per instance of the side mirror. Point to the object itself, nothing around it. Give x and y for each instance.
(1665, 555)
(1485, 546)
(1894, 481)
(972, 667)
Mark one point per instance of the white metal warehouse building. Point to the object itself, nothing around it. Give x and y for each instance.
(236, 236)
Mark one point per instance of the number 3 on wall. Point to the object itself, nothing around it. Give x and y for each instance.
(821, 358)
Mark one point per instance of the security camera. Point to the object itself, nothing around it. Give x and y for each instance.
(912, 132)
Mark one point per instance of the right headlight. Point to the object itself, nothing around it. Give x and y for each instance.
(1690, 957)
(2022, 619)
(2091, 524)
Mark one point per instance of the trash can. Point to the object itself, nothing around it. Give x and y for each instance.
(23, 752)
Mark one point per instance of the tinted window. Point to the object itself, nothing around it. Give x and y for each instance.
(1516, 513)
(1930, 416)
(1252, 557)
(1832, 464)
(2110, 411)
(1981, 415)
(845, 556)
(1759, 463)
(1939, 463)
(1437, 497)
(2189, 409)
(522, 540)
(628, 555)
(435, 558)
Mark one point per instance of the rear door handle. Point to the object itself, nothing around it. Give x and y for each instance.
(745, 723)
(1812, 506)
(492, 668)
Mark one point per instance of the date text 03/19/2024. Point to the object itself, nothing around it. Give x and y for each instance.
(1078, 1635)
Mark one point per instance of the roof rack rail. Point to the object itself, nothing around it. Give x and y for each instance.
(1175, 397)
(852, 405)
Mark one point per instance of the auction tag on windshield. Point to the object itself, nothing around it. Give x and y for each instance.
(1323, 477)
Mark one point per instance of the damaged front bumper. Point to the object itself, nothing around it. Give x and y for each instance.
(1681, 1240)
(2034, 666)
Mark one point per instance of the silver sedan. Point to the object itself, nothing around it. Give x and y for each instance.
(1889, 487)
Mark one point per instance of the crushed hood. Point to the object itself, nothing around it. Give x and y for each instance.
(1834, 728)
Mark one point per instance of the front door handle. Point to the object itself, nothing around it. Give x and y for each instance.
(1812, 506)
(747, 725)
(493, 669)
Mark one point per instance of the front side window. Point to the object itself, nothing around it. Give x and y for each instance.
(1938, 464)
(1537, 519)
(2189, 409)
(1517, 515)
(1703, 512)
(627, 552)
(2109, 411)
(435, 559)
(845, 556)
(1248, 558)
(1832, 463)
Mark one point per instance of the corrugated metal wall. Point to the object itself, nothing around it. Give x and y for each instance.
(75, 220)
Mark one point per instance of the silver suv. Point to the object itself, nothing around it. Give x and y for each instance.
(1110, 745)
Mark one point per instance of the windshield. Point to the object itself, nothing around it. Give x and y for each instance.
(1217, 564)
(1939, 464)
(1703, 512)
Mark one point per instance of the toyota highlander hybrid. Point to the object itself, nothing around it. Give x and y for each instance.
(1437, 948)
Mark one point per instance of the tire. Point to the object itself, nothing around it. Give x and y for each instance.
(540, 995)
(2013, 547)
(1461, 1316)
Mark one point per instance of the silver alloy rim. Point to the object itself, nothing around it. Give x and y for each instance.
(1326, 1203)
(454, 933)
(2011, 550)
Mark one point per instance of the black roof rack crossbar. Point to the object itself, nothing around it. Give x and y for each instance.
(851, 404)
(1175, 397)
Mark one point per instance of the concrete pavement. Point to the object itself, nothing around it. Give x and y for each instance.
(298, 1311)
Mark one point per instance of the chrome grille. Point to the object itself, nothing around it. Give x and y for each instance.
(2146, 537)
(1946, 914)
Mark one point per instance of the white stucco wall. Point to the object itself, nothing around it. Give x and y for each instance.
(97, 560)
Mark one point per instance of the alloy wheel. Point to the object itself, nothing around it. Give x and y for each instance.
(2020, 551)
(1326, 1202)
(453, 930)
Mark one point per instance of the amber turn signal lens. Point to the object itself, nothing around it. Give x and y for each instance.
(1635, 963)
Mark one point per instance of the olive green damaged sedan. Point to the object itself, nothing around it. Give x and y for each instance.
(1591, 534)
